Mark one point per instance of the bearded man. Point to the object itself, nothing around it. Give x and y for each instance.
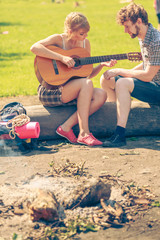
(143, 81)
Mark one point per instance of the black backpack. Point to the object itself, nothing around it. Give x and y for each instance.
(11, 110)
(8, 112)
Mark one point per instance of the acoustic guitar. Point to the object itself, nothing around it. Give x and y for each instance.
(55, 73)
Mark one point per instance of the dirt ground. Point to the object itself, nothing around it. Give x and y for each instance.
(138, 162)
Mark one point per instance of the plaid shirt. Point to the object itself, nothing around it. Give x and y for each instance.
(150, 49)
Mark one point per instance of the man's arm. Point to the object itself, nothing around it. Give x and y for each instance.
(138, 67)
(144, 75)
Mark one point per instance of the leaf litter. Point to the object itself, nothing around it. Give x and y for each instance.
(106, 214)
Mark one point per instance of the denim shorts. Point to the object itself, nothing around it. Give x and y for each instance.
(145, 91)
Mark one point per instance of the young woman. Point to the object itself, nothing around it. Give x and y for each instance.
(79, 91)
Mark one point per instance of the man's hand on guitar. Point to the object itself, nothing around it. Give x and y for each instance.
(109, 64)
(68, 61)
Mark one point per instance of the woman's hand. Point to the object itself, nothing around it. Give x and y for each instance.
(68, 61)
(109, 64)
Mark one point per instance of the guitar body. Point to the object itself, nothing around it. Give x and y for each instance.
(55, 72)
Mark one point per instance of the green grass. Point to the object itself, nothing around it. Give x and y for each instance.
(28, 21)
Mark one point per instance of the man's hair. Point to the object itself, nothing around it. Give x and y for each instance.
(132, 12)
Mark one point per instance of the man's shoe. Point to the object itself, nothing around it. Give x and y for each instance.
(115, 141)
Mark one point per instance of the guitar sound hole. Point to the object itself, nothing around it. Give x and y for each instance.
(77, 62)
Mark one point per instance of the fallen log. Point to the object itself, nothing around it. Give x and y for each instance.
(64, 193)
(45, 206)
(144, 120)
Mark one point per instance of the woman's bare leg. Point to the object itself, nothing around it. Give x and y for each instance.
(89, 100)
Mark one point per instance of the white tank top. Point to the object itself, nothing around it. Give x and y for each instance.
(63, 42)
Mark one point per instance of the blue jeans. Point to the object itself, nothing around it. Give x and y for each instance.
(145, 91)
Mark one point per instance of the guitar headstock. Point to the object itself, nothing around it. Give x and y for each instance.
(134, 56)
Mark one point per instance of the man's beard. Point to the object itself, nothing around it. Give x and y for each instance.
(133, 35)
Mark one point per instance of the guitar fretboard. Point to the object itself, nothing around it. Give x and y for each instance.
(98, 59)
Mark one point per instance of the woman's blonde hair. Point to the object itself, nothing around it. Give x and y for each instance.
(75, 21)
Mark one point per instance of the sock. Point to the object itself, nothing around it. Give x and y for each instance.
(120, 131)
